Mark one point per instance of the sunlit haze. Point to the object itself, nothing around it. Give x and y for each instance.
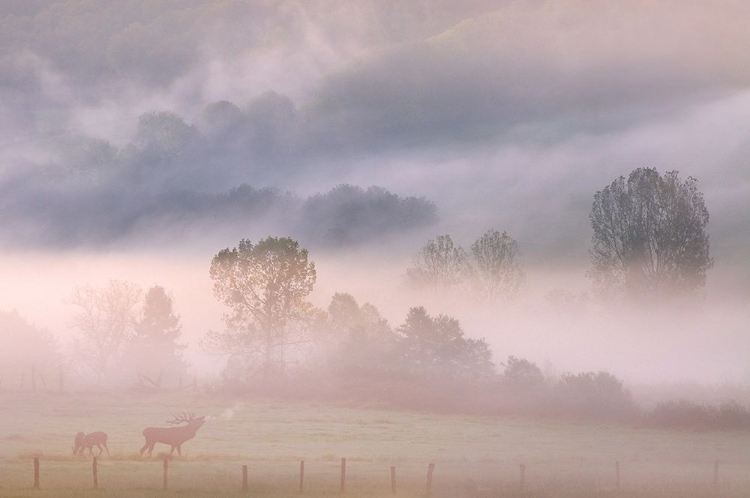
(138, 139)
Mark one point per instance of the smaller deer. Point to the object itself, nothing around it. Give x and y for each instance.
(84, 441)
(173, 436)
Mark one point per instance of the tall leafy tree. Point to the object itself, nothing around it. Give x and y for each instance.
(105, 320)
(265, 286)
(440, 264)
(437, 346)
(365, 339)
(649, 236)
(155, 348)
(494, 268)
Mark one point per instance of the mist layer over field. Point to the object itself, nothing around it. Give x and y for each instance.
(140, 138)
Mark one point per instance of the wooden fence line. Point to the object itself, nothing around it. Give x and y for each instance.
(36, 473)
(430, 470)
(343, 475)
(301, 477)
(428, 489)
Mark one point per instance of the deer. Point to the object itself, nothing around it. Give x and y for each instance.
(173, 436)
(84, 441)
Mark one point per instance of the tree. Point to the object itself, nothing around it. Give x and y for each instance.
(265, 285)
(649, 237)
(162, 136)
(154, 346)
(495, 267)
(24, 345)
(365, 339)
(437, 346)
(347, 213)
(522, 374)
(439, 265)
(594, 395)
(105, 321)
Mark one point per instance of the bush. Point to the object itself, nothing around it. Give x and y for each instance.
(684, 414)
(594, 396)
(521, 374)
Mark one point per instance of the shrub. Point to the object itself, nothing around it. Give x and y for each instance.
(522, 374)
(684, 414)
(594, 396)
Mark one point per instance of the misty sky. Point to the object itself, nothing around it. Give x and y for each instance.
(138, 132)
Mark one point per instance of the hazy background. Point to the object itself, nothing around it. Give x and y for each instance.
(129, 129)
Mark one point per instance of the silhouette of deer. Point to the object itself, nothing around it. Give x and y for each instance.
(173, 436)
(84, 441)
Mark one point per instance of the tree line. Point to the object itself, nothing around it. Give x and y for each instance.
(648, 242)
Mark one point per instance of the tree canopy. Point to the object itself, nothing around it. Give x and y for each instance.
(495, 267)
(437, 346)
(438, 265)
(649, 238)
(155, 348)
(265, 286)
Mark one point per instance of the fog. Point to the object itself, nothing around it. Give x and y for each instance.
(141, 138)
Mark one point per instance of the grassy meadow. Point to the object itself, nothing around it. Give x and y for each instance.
(474, 456)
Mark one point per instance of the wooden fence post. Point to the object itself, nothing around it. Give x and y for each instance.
(617, 474)
(244, 479)
(716, 475)
(343, 475)
(166, 468)
(96, 477)
(36, 472)
(301, 477)
(523, 479)
(430, 469)
(393, 479)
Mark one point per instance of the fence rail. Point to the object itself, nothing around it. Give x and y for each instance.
(245, 486)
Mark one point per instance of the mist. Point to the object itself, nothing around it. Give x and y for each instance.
(139, 139)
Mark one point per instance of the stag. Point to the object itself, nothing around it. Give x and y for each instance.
(173, 436)
(84, 441)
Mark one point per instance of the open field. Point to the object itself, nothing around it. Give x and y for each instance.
(473, 456)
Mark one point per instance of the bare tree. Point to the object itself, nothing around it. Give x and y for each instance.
(105, 321)
(438, 265)
(494, 267)
(650, 237)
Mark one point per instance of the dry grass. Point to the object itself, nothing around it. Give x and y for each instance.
(474, 456)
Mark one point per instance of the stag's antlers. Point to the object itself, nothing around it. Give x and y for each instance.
(184, 418)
